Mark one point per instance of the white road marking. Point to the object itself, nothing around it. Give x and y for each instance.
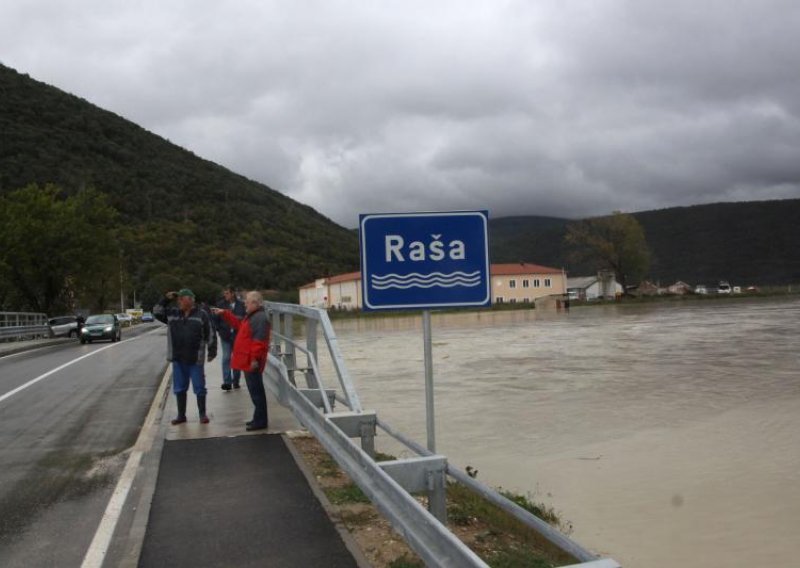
(97, 551)
(32, 382)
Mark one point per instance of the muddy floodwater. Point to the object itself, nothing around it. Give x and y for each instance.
(668, 434)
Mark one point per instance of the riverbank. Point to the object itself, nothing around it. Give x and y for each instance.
(549, 303)
(498, 538)
(664, 431)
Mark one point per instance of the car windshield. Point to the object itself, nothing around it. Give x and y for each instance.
(104, 318)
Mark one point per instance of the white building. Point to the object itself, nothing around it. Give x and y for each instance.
(603, 285)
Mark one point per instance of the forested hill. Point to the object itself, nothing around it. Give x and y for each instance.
(184, 219)
(745, 243)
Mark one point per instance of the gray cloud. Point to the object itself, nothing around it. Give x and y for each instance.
(549, 108)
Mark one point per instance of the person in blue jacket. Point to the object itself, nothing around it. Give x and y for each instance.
(227, 335)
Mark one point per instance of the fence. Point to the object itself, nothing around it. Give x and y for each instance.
(18, 326)
(388, 484)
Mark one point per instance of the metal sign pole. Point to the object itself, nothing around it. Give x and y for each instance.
(426, 333)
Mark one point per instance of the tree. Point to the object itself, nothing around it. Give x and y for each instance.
(616, 242)
(54, 248)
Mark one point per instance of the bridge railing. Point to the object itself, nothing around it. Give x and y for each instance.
(16, 326)
(388, 484)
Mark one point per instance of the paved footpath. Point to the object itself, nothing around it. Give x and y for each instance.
(226, 497)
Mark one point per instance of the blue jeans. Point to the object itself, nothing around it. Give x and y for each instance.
(228, 376)
(255, 386)
(183, 373)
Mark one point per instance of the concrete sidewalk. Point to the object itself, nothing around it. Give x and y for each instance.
(221, 496)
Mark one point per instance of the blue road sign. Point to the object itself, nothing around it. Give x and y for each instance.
(425, 260)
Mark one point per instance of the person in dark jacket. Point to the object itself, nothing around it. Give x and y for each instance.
(227, 335)
(190, 333)
(250, 350)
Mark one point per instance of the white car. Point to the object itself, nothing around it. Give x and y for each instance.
(125, 319)
(63, 326)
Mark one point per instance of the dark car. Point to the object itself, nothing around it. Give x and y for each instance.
(101, 326)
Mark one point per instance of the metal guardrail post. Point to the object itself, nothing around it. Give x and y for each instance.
(289, 358)
(311, 345)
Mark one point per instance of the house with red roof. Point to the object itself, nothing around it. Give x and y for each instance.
(521, 282)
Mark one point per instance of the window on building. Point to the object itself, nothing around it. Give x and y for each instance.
(512, 301)
(547, 283)
(498, 300)
(526, 300)
(536, 283)
(526, 283)
(512, 283)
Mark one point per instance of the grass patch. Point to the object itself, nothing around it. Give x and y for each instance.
(349, 493)
(327, 467)
(517, 558)
(406, 561)
(357, 518)
(504, 540)
(547, 514)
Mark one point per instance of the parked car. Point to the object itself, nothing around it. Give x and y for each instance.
(63, 326)
(125, 319)
(724, 287)
(101, 326)
(700, 289)
(147, 317)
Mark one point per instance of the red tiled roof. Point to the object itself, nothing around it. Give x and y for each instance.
(350, 276)
(522, 268)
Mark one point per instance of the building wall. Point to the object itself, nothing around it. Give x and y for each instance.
(522, 288)
(345, 295)
(315, 296)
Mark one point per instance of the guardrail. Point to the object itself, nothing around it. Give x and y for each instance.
(23, 325)
(388, 484)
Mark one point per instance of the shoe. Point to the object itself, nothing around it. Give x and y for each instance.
(226, 387)
(251, 427)
(178, 420)
(237, 386)
(248, 423)
(204, 419)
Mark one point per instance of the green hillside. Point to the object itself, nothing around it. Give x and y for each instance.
(745, 243)
(182, 219)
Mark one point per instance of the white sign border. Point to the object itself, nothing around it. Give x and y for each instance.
(365, 288)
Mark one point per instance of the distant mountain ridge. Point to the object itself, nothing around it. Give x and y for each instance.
(185, 219)
(755, 242)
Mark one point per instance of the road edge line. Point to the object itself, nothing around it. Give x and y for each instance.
(98, 549)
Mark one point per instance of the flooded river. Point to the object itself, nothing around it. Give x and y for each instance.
(668, 434)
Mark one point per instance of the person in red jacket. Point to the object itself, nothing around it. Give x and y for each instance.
(250, 350)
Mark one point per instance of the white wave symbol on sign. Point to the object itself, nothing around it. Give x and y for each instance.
(417, 280)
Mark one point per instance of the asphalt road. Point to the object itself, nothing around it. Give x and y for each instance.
(64, 440)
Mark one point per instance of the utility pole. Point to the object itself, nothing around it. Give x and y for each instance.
(121, 292)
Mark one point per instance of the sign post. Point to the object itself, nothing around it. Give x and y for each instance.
(430, 422)
(424, 261)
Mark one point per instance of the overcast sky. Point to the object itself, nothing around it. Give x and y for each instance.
(563, 108)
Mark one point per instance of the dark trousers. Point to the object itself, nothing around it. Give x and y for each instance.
(255, 386)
